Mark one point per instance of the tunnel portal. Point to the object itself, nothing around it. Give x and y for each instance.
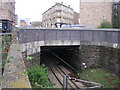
(62, 55)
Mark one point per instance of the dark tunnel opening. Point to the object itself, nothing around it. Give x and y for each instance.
(61, 55)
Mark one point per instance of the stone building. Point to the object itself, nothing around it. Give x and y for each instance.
(93, 12)
(7, 10)
(7, 14)
(76, 18)
(16, 19)
(57, 15)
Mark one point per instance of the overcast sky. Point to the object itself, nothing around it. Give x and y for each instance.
(34, 8)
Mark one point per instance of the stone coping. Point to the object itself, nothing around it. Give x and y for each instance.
(80, 29)
(14, 75)
(69, 42)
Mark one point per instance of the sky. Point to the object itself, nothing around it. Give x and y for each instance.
(34, 8)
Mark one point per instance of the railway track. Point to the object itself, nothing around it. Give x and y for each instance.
(57, 71)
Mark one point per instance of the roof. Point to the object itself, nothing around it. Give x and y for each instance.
(55, 5)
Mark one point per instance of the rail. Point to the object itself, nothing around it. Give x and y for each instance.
(66, 78)
(64, 62)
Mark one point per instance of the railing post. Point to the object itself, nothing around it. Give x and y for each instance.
(65, 80)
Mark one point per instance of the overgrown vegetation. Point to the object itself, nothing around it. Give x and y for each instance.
(105, 24)
(102, 76)
(116, 24)
(115, 18)
(38, 76)
(6, 41)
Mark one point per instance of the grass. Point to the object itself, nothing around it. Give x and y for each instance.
(38, 76)
(102, 76)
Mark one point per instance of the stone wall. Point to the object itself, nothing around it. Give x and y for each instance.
(14, 75)
(99, 56)
(109, 58)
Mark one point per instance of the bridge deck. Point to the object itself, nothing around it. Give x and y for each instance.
(96, 35)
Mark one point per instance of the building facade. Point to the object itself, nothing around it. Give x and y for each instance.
(93, 13)
(16, 19)
(7, 10)
(76, 18)
(7, 14)
(58, 14)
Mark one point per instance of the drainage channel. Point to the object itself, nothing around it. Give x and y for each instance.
(57, 71)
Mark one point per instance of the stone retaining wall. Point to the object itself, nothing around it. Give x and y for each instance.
(99, 56)
(14, 75)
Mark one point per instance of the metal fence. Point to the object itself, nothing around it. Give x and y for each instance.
(66, 78)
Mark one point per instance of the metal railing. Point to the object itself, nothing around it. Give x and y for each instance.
(66, 78)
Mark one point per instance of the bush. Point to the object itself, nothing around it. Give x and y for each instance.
(105, 24)
(38, 76)
(116, 24)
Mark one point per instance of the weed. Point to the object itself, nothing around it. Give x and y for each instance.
(3, 63)
(29, 58)
(38, 76)
(106, 78)
(11, 57)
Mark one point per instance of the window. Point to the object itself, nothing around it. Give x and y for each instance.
(58, 13)
(58, 19)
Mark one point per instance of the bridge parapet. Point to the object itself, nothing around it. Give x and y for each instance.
(96, 35)
(31, 40)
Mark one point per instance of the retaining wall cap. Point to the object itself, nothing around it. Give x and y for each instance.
(14, 75)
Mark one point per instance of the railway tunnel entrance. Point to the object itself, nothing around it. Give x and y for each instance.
(62, 55)
(61, 61)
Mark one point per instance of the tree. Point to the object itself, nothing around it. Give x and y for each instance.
(115, 16)
(36, 24)
(105, 24)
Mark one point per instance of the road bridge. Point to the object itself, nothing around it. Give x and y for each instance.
(95, 47)
(34, 38)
